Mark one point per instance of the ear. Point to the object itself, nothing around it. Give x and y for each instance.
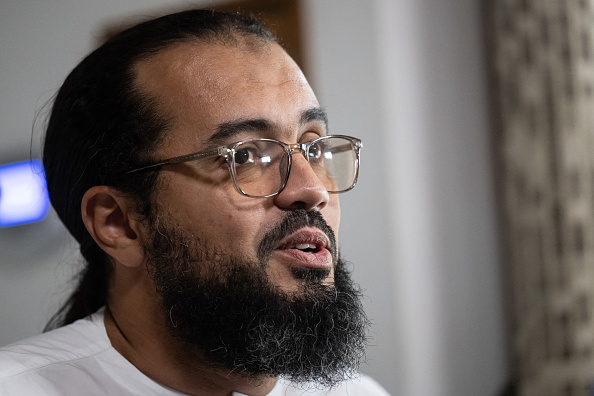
(108, 216)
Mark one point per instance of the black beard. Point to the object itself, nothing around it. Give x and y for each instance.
(225, 310)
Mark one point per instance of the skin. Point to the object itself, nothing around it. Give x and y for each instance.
(199, 87)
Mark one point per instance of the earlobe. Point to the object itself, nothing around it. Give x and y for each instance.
(106, 215)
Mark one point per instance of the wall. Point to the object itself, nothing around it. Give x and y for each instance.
(407, 77)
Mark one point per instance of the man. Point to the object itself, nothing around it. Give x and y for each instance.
(191, 160)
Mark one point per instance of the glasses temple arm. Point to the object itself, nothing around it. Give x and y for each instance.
(182, 158)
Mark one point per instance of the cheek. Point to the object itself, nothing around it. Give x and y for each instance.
(218, 215)
(223, 218)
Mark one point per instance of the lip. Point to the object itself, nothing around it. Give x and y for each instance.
(320, 258)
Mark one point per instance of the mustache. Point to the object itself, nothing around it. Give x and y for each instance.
(293, 221)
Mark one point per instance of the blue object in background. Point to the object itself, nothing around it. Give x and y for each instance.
(23, 193)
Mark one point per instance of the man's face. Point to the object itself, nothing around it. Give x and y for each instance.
(215, 95)
(234, 286)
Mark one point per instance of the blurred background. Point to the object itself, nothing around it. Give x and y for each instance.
(472, 226)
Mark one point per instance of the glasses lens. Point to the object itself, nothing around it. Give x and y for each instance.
(334, 160)
(260, 167)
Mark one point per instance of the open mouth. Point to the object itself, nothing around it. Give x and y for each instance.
(307, 247)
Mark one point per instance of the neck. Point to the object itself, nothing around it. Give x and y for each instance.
(145, 342)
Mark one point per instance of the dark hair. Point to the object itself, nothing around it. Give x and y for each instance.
(101, 126)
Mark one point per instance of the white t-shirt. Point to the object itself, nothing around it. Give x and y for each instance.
(78, 359)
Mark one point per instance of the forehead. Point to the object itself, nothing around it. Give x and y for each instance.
(198, 86)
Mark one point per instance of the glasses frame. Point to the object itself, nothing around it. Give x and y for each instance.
(228, 152)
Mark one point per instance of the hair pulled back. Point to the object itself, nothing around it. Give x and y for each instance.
(101, 126)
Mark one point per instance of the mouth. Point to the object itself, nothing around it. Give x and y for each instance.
(307, 247)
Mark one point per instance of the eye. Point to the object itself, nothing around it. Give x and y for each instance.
(245, 155)
(316, 151)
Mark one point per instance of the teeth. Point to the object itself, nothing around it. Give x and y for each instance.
(304, 246)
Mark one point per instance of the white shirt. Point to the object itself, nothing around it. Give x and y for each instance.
(78, 359)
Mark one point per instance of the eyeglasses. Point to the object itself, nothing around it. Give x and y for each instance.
(260, 167)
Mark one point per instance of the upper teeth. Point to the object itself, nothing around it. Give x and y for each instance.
(303, 246)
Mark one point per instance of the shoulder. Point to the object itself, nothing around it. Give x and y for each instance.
(362, 385)
(75, 341)
(57, 351)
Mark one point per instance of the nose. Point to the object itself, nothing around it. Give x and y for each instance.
(304, 190)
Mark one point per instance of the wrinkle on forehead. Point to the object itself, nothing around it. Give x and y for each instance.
(194, 69)
(199, 86)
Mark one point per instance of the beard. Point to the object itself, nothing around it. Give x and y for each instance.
(225, 310)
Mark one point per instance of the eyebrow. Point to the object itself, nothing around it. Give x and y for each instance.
(314, 114)
(227, 130)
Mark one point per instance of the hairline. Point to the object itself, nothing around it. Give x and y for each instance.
(236, 39)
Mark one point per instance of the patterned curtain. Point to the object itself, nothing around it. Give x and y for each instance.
(542, 60)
